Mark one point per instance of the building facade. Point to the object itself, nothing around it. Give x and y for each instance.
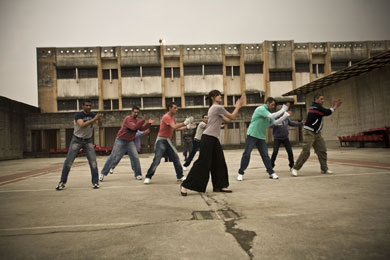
(117, 77)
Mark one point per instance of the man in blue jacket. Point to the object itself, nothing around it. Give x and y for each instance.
(280, 134)
(312, 134)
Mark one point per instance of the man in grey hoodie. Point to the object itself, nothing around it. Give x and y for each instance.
(280, 134)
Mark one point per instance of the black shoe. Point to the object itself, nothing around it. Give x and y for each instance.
(60, 186)
(221, 190)
(182, 193)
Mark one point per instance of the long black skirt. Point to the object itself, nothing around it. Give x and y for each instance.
(211, 160)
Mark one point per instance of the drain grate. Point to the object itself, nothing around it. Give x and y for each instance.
(225, 215)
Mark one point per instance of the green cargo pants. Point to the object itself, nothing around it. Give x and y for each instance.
(312, 139)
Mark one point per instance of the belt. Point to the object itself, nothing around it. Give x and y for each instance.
(82, 139)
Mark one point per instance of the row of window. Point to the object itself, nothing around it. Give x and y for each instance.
(153, 102)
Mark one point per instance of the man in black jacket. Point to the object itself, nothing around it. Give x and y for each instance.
(312, 134)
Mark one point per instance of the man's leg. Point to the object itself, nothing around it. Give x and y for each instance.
(289, 151)
(195, 148)
(263, 150)
(246, 156)
(91, 156)
(320, 150)
(116, 155)
(308, 138)
(158, 153)
(74, 148)
(176, 161)
(275, 151)
(134, 158)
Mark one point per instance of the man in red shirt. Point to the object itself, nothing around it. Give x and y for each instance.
(124, 142)
(164, 144)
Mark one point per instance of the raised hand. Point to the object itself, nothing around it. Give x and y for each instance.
(151, 121)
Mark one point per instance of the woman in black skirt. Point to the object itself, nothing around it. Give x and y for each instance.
(211, 158)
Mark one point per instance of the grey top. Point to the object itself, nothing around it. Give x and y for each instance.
(199, 130)
(280, 132)
(81, 132)
(215, 120)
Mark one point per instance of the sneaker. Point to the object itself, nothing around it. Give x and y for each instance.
(181, 179)
(184, 168)
(101, 177)
(111, 171)
(95, 186)
(327, 172)
(294, 172)
(240, 177)
(60, 186)
(147, 181)
(273, 176)
(138, 177)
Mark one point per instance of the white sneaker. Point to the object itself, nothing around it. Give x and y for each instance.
(101, 177)
(184, 168)
(111, 171)
(182, 179)
(294, 172)
(139, 177)
(240, 177)
(274, 176)
(327, 172)
(147, 181)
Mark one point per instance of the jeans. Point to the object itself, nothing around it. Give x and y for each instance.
(74, 148)
(119, 149)
(263, 150)
(195, 148)
(287, 145)
(312, 139)
(162, 147)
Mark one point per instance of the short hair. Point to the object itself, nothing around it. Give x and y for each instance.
(204, 115)
(86, 101)
(135, 108)
(270, 100)
(170, 105)
(317, 95)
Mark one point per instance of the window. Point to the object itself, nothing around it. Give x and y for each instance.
(302, 67)
(151, 71)
(233, 125)
(130, 102)
(212, 69)
(321, 68)
(114, 74)
(256, 98)
(231, 100)
(111, 104)
(177, 100)
(131, 71)
(152, 102)
(301, 98)
(339, 65)
(256, 68)
(87, 73)
(66, 73)
(67, 105)
(106, 74)
(168, 72)
(194, 100)
(193, 70)
(236, 70)
(280, 76)
(94, 102)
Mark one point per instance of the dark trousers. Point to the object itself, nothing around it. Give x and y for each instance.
(195, 148)
(211, 160)
(287, 145)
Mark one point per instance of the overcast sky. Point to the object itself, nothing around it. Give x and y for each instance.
(28, 24)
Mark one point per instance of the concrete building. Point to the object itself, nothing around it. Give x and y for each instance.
(117, 77)
(364, 89)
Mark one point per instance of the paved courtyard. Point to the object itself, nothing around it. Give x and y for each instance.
(344, 215)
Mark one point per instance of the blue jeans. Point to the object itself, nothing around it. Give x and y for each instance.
(74, 148)
(162, 147)
(119, 149)
(195, 148)
(263, 150)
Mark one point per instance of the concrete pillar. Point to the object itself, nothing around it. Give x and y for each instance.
(62, 138)
(100, 79)
(311, 61)
(183, 102)
(224, 74)
(368, 46)
(242, 73)
(294, 81)
(328, 64)
(96, 136)
(162, 74)
(265, 70)
(119, 56)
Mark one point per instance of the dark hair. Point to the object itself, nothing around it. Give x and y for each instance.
(270, 100)
(212, 94)
(204, 115)
(86, 101)
(170, 105)
(317, 95)
(134, 108)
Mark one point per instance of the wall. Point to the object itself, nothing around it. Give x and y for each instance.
(12, 128)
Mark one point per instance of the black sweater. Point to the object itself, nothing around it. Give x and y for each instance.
(314, 117)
